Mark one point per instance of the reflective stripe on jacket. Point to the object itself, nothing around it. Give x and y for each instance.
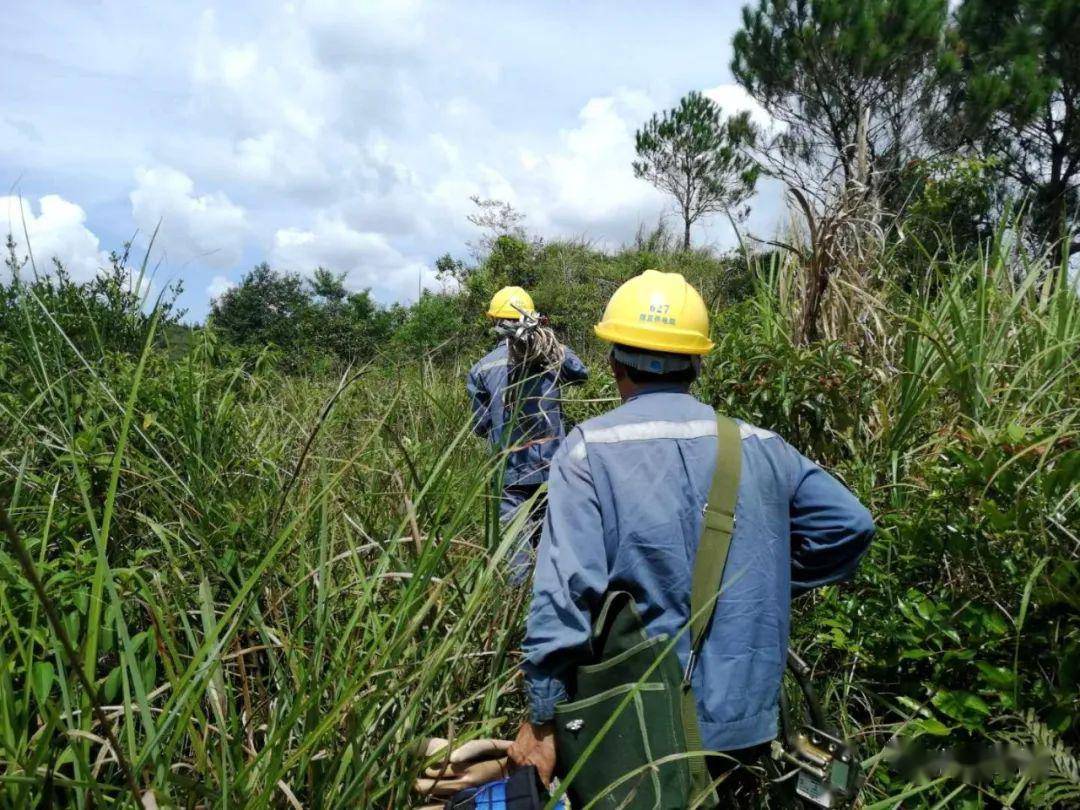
(537, 422)
(625, 501)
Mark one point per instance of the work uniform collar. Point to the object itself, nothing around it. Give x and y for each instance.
(660, 388)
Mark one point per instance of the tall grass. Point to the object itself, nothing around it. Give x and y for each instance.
(275, 599)
(278, 586)
(952, 406)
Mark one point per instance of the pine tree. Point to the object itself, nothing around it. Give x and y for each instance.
(820, 67)
(1013, 70)
(698, 157)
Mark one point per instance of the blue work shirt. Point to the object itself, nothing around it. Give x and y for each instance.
(537, 425)
(625, 501)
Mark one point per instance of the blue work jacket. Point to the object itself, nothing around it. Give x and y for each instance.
(533, 430)
(625, 501)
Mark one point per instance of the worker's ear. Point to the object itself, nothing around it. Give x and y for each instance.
(617, 368)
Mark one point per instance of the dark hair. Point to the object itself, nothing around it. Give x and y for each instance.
(638, 377)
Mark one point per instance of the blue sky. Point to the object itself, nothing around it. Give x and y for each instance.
(346, 134)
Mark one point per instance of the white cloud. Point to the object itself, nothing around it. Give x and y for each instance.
(207, 227)
(218, 286)
(58, 230)
(586, 185)
(347, 133)
(300, 104)
(733, 98)
(360, 117)
(587, 181)
(366, 257)
(266, 81)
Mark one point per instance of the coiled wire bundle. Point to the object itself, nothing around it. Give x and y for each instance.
(533, 347)
(533, 351)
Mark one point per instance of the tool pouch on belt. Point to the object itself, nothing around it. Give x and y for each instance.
(633, 717)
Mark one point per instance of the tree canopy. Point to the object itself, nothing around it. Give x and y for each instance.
(823, 68)
(698, 157)
(1013, 73)
(303, 318)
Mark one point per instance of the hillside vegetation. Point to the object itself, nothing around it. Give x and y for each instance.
(278, 583)
(255, 562)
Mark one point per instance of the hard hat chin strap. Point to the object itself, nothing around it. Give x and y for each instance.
(655, 362)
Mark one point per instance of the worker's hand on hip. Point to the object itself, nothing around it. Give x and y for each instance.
(535, 745)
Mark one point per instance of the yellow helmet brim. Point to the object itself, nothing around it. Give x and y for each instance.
(675, 341)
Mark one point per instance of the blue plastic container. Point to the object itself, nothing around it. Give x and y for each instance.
(521, 790)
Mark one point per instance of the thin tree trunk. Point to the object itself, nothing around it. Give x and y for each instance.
(817, 281)
(686, 203)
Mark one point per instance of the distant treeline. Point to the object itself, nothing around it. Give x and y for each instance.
(306, 320)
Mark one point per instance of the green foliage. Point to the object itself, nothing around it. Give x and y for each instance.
(350, 326)
(571, 281)
(1060, 786)
(317, 324)
(447, 268)
(109, 313)
(816, 394)
(327, 286)
(698, 157)
(495, 218)
(266, 308)
(435, 325)
(232, 554)
(1014, 77)
(279, 583)
(819, 67)
(512, 261)
(949, 207)
(962, 432)
(306, 322)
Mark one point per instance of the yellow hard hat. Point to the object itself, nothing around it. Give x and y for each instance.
(503, 303)
(657, 311)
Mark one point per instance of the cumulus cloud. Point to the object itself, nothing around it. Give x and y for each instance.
(586, 183)
(282, 111)
(343, 108)
(57, 230)
(733, 98)
(264, 80)
(367, 258)
(207, 227)
(218, 286)
(351, 134)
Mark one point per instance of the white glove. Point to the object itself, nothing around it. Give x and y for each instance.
(471, 764)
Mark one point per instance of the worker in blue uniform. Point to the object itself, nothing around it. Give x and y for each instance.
(626, 496)
(520, 413)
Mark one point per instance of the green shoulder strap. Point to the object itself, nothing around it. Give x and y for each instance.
(712, 550)
(709, 564)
